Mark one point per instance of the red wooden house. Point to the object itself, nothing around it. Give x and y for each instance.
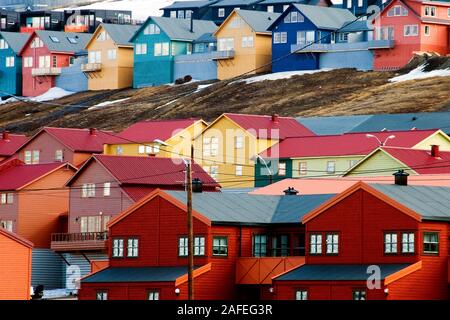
(416, 26)
(240, 242)
(62, 145)
(375, 242)
(43, 56)
(9, 143)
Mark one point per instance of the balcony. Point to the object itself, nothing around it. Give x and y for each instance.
(91, 67)
(261, 270)
(344, 46)
(38, 72)
(76, 28)
(87, 241)
(223, 55)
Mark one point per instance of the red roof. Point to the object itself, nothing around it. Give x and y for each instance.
(268, 127)
(15, 175)
(151, 130)
(150, 171)
(138, 192)
(10, 145)
(79, 140)
(421, 161)
(344, 144)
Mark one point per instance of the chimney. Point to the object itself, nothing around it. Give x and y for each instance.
(290, 191)
(275, 118)
(92, 131)
(5, 135)
(197, 185)
(192, 23)
(401, 178)
(435, 151)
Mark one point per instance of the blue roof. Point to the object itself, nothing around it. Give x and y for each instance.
(241, 208)
(332, 125)
(137, 274)
(333, 272)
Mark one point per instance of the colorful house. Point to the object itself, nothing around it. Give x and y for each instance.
(110, 57)
(237, 249)
(282, 5)
(374, 242)
(359, 7)
(309, 37)
(9, 143)
(416, 27)
(229, 146)
(197, 10)
(28, 209)
(15, 266)
(11, 63)
(157, 43)
(87, 20)
(62, 145)
(222, 10)
(160, 138)
(415, 162)
(332, 156)
(44, 56)
(31, 20)
(244, 44)
(101, 189)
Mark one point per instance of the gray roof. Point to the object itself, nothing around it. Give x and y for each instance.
(179, 29)
(120, 33)
(355, 26)
(432, 203)
(283, 1)
(64, 45)
(190, 4)
(137, 274)
(325, 17)
(332, 125)
(330, 272)
(206, 38)
(15, 40)
(226, 3)
(252, 209)
(259, 21)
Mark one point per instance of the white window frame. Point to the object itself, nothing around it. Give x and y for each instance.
(59, 155)
(331, 167)
(153, 295)
(107, 189)
(35, 157)
(270, 9)
(238, 170)
(390, 243)
(332, 243)
(199, 246)
(28, 62)
(112, 54)
(101, 295)
(117, 248)
(10, 61)
(239, 142)
(88, 190)
(281, 169)
(133, 247)
(303, 168)
(301, 295)
(28, 156)
(411, 30)
(221, 12)
(315, 244)
(408, 242)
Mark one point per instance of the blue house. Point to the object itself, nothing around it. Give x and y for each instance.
(71, 77)
(359, 7)
(280, 6)
(11, 63)
(222, 9)
(313, 37)
(156, 44)
(198, 10)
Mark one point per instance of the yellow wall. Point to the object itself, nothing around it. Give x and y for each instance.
(245, 59)
(317, 167)
(228, 157)
(115, 74)
(440, 139)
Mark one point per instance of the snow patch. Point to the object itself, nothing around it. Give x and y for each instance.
(281, 75)
(106, 104)
(419, 73)
(202, 87)
(52, 94)
(9, 100)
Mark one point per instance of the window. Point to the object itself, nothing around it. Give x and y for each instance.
(303, 168)
(410, 30)
(236, 22)
(72, 40)
(426, 30)
(282, 168)
(10, 198)
(102, 36)
(305, 37)
(221, 12)
(133, 247)
(107, 189)
(188, 14)
(105, 222)
(112, 54)
(199, 246)
(293, 17)
(88, 190)
(225, 44)
(173, 14)
(183, 247)
(59, 155)
(238, 170)
(431, 242)
(283, 37)
(430, 11)
(117, 248)
(3, 198)
(91, 224)
(408, 242)
(7, 225)
(37, 43)
(54, 39)
(332, 243)
(331, 167)
(315, 244)
(153, 29)
(360, 3)
(3, 44)
(239, 142)
(44, 62)
(9, 62)
(153, 295)
(247, 42)
(35, 159)
(27, 157)
(359, 294)
(102, 295)
(269, 8)
(220, 246)
(95, 57)
(385, 33)
(301, 295)
(161, 49)
(390, 243)
(54, 61)
(141, 48)
(448, 12)
(397, 11)
(352, 163)
(71, 61)
(210, 146)
(343, 37)
(28, 62)
(119, 150)
(349, 4)
(280, 37)
(259, 245)
(280, 246)
(180, 14)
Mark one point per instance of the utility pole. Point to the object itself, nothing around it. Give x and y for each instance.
(190, 227)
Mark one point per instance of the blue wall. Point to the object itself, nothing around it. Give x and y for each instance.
(10, 78)
(200, 66)
(48, 269)
(361, 60)
(71, 78)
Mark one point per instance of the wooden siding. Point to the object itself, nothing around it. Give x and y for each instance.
(48, 269)
(10, 211)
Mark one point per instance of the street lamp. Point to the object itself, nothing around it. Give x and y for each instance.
(379, 141)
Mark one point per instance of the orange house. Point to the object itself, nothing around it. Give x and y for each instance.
(15, 266)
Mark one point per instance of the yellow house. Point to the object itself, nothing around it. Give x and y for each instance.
(228, 147)
(244, 44)
(110, 57)
(160, 138)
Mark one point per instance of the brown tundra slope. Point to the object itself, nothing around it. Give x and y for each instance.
(336, 92)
